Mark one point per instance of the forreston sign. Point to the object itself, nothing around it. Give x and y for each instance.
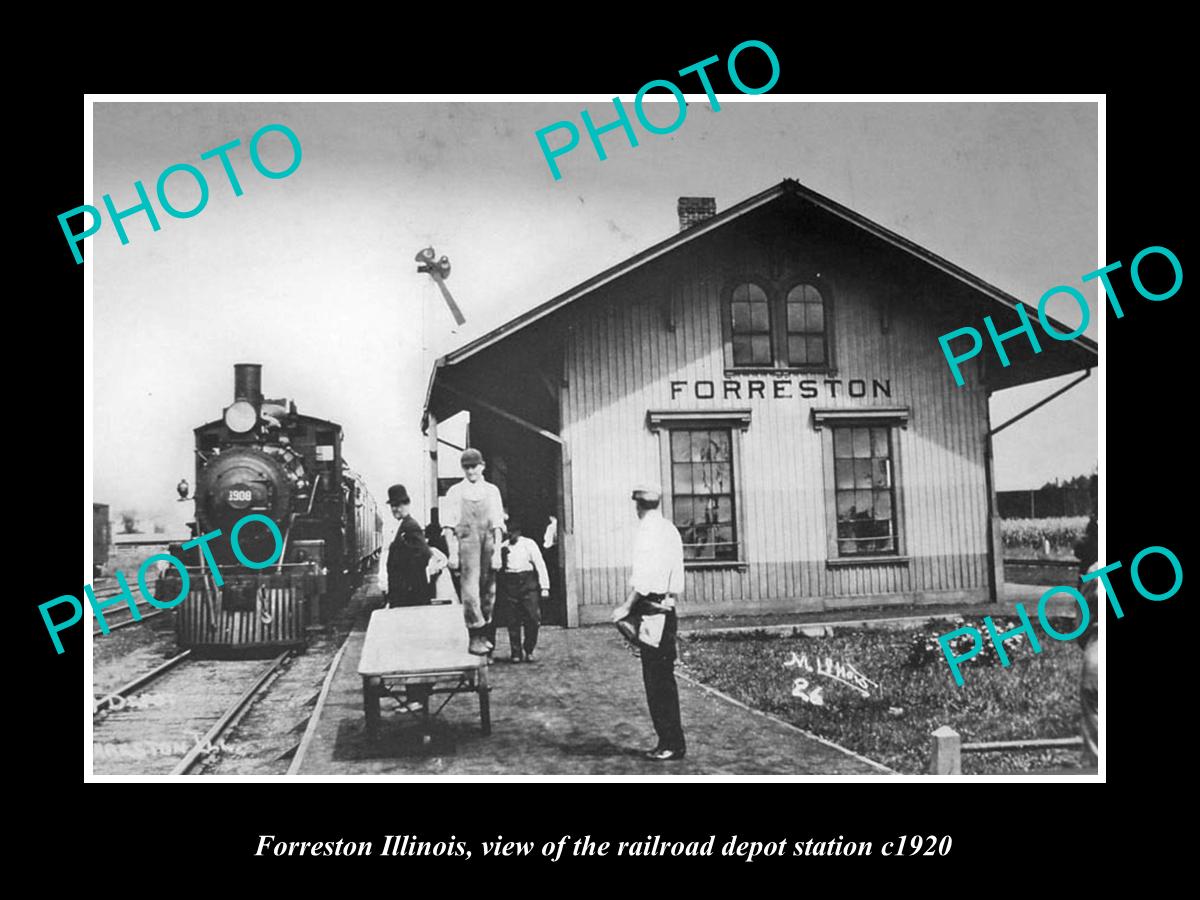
(780, 388)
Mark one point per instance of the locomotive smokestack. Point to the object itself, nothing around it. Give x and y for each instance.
(247, 383)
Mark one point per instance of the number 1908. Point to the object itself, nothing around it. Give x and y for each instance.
(912, 846)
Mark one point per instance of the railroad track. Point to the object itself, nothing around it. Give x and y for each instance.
(106, 588)
(127, 621)
(154, 732)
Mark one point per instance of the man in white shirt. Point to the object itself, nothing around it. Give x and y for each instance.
(654, 585)
(523, 580)
(472, 517)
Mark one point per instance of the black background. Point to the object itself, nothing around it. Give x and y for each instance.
(999, 830)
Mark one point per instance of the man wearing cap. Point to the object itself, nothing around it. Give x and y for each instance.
(654, 584)
(472, 517)
(408, 555)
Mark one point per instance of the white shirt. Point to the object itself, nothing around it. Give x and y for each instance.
(451, 505)
(524, 556)
(657, 556)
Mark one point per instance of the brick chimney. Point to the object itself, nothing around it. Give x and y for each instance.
(693, 210)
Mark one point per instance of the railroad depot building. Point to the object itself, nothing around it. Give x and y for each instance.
(776, 368)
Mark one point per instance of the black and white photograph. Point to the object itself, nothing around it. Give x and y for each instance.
(721, 435)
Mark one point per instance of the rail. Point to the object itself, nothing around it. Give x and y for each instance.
(204, 745)
(125, 623)
(116, 699)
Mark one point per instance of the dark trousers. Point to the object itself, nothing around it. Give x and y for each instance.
(522, 593)
(662, 693)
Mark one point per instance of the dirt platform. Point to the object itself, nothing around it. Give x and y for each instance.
(579, 710)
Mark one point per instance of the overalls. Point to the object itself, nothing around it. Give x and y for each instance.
(478, 578)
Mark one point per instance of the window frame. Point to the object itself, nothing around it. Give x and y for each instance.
(663, 423)
(766, 286)
(895, 419)
(777, 293)
(817, 283)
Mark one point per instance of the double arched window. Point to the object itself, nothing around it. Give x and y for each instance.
(768, 329)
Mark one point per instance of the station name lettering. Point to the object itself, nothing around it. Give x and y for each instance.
(781, 389)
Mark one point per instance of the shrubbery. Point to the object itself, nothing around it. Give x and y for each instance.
(1028, 536)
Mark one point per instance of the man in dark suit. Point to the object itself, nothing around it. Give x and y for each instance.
(408, 555)
(407, 583)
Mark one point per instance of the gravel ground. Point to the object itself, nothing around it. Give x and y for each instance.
(263, 740)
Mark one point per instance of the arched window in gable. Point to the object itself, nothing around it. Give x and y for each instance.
(750, 325)
(806, 333)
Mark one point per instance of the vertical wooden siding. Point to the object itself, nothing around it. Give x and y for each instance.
(622, 360)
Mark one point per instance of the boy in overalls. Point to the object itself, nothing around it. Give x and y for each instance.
(472, 517)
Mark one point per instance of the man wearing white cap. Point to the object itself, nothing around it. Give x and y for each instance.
(472, 517)
(654, 584)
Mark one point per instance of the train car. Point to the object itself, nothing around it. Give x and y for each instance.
(101, 539)
(264, 457)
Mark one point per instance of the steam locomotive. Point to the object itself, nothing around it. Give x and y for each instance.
(263, 457)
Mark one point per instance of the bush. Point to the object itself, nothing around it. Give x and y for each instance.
(926, 649)
(1028, 535)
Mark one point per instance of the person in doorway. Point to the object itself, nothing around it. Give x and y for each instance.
(472, 515)
(654, 586)
(550, 555)
(524, 579)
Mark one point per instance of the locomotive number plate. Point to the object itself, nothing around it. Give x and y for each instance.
(239, 497)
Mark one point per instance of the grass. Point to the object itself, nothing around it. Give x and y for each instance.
(1037, 696)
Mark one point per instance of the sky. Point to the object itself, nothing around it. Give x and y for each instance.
(314, 276)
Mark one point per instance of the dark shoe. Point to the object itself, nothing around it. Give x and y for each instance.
(516, 656)
(664, 754)
(529, 656)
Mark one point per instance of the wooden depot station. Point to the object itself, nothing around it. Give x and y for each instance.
(776, 368)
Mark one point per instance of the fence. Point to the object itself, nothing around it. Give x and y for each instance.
(948, 749)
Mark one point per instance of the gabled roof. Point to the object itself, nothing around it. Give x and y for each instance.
(787, 187)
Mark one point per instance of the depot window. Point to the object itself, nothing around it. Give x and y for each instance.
(773, 325)
(701, 479)
(863, 488)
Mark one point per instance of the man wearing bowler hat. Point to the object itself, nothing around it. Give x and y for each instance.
(647, 617)
(408, 555)
(472, 517)
(407, 584)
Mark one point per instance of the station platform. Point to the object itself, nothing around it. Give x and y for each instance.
(579, 710)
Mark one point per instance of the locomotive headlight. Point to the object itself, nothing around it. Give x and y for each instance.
(240, 417)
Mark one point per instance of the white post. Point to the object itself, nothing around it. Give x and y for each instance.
(947, 752)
